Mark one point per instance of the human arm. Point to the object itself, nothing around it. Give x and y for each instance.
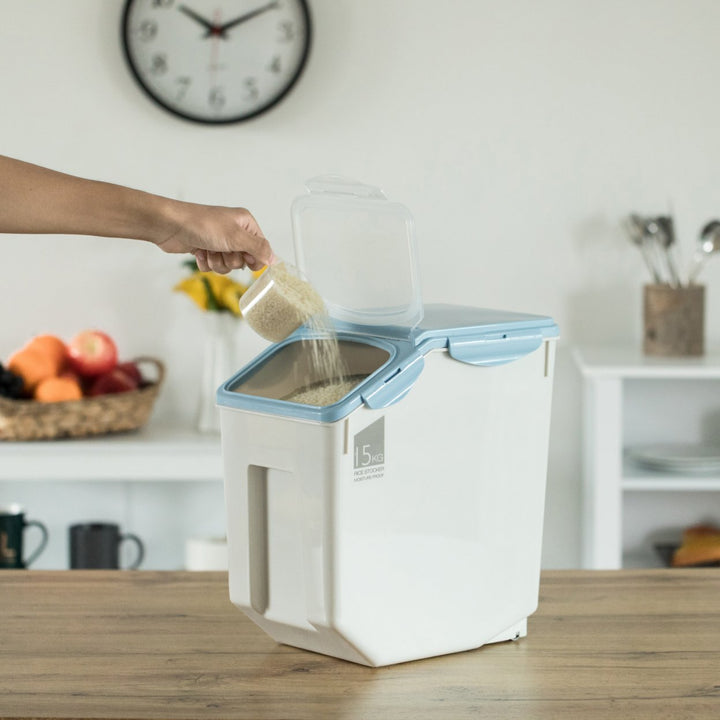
(34, 199)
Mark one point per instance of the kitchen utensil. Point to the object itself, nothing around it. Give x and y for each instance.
(666, 238)
(635, 227)
(656, 242)
(708, 244)
(279, 302)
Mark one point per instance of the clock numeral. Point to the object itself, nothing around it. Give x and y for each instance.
(216, 98)
(162, 3)
(147, 30)
(158, 64)
(183, 82)
(287, 31)
(275, 66)
(251, 89)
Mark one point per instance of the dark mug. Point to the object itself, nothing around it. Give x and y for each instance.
(96, 546)
(12, 528)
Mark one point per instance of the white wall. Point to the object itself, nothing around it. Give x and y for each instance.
(518, 133)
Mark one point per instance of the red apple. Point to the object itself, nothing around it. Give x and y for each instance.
(113, 381)
(92, 353)
(132, 370)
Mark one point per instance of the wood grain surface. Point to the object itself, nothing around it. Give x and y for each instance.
(115, 644)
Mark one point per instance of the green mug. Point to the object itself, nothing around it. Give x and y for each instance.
(12, 528)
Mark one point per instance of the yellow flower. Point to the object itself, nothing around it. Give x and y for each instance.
(210, 291)
(228, 297)
(194, 288)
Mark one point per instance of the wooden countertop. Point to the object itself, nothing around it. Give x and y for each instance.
(114, 644)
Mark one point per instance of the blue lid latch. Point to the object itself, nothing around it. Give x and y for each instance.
(496, 348)
(394, 387)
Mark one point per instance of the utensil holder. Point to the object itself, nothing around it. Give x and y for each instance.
(674, 320)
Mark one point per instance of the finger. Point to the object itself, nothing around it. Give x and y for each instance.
(258, 248)
(255, 264)
(201, 260)
(263, 252)
(235, 261)
(217, 264)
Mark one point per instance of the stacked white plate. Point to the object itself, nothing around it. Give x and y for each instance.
(677, 457)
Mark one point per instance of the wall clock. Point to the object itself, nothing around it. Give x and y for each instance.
(216, 61)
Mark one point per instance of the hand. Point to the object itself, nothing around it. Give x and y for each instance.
(221, 238)
(243, 18)
(212, 29)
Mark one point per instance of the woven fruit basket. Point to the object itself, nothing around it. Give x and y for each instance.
(22, 420)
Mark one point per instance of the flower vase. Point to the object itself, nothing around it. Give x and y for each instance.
(218, 366)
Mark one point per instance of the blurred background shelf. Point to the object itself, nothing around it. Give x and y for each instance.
(162, 483)
(154, 453)
(629, 362)
(641, 479)
(629, 401)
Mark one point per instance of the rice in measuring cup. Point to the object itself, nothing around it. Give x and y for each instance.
(279, 302)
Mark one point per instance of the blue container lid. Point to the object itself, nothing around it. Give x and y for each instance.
(475, 336)
(481, 336)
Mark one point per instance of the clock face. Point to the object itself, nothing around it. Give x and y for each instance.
(216, 61)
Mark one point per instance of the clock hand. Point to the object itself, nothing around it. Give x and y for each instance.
(212, 29)
(244, 18)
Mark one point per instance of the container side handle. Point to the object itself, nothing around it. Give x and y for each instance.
(495, 349)
(395, 387)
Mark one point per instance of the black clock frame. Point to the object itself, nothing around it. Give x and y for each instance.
(124, 31)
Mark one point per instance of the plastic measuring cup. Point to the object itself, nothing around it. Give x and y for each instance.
(279, 302)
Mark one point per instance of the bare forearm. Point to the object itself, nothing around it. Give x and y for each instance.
(34, 199)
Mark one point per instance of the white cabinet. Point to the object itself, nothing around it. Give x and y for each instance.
(630, 400)
(162, 483)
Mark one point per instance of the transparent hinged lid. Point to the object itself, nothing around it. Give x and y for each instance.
(358, 250)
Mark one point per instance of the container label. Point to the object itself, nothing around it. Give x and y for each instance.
(369, 452)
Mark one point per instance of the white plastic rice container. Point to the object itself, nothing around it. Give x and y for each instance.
(405, 520)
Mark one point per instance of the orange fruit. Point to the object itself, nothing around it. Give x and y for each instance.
(58, 389)
(33, 366)
(53, 347)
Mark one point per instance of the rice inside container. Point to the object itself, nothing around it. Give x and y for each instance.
(404, 520)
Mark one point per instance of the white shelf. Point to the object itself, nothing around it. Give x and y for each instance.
(666, 483)
(616, 361)
(636, 478)
(154, 453)
(631, 399)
